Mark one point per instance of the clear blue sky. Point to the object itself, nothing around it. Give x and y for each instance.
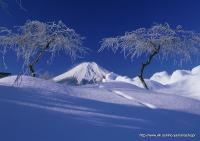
(96, 19)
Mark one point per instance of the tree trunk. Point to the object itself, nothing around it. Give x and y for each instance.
(144, 65)
(37, 58)
(32, 70)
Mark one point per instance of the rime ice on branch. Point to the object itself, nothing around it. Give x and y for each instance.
(34, 39)
(159, 40)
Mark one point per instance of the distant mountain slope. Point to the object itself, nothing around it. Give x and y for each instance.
(90, 73)
(84, 73)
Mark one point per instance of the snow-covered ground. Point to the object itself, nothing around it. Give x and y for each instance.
(43, 110)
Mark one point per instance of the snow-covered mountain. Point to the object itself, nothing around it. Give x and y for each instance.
(181, 82)
(84, 73)
(91, 73)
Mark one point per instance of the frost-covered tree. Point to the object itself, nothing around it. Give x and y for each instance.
(34, 39)
(160, 40)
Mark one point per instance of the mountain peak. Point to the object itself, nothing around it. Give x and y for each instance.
(83, 73)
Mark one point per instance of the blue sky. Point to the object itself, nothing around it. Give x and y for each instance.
(96, 19)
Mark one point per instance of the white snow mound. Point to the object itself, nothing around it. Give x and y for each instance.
(161, 77)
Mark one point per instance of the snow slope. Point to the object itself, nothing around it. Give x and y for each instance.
(38, 110)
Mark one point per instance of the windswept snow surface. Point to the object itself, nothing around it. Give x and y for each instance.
(41, 110)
